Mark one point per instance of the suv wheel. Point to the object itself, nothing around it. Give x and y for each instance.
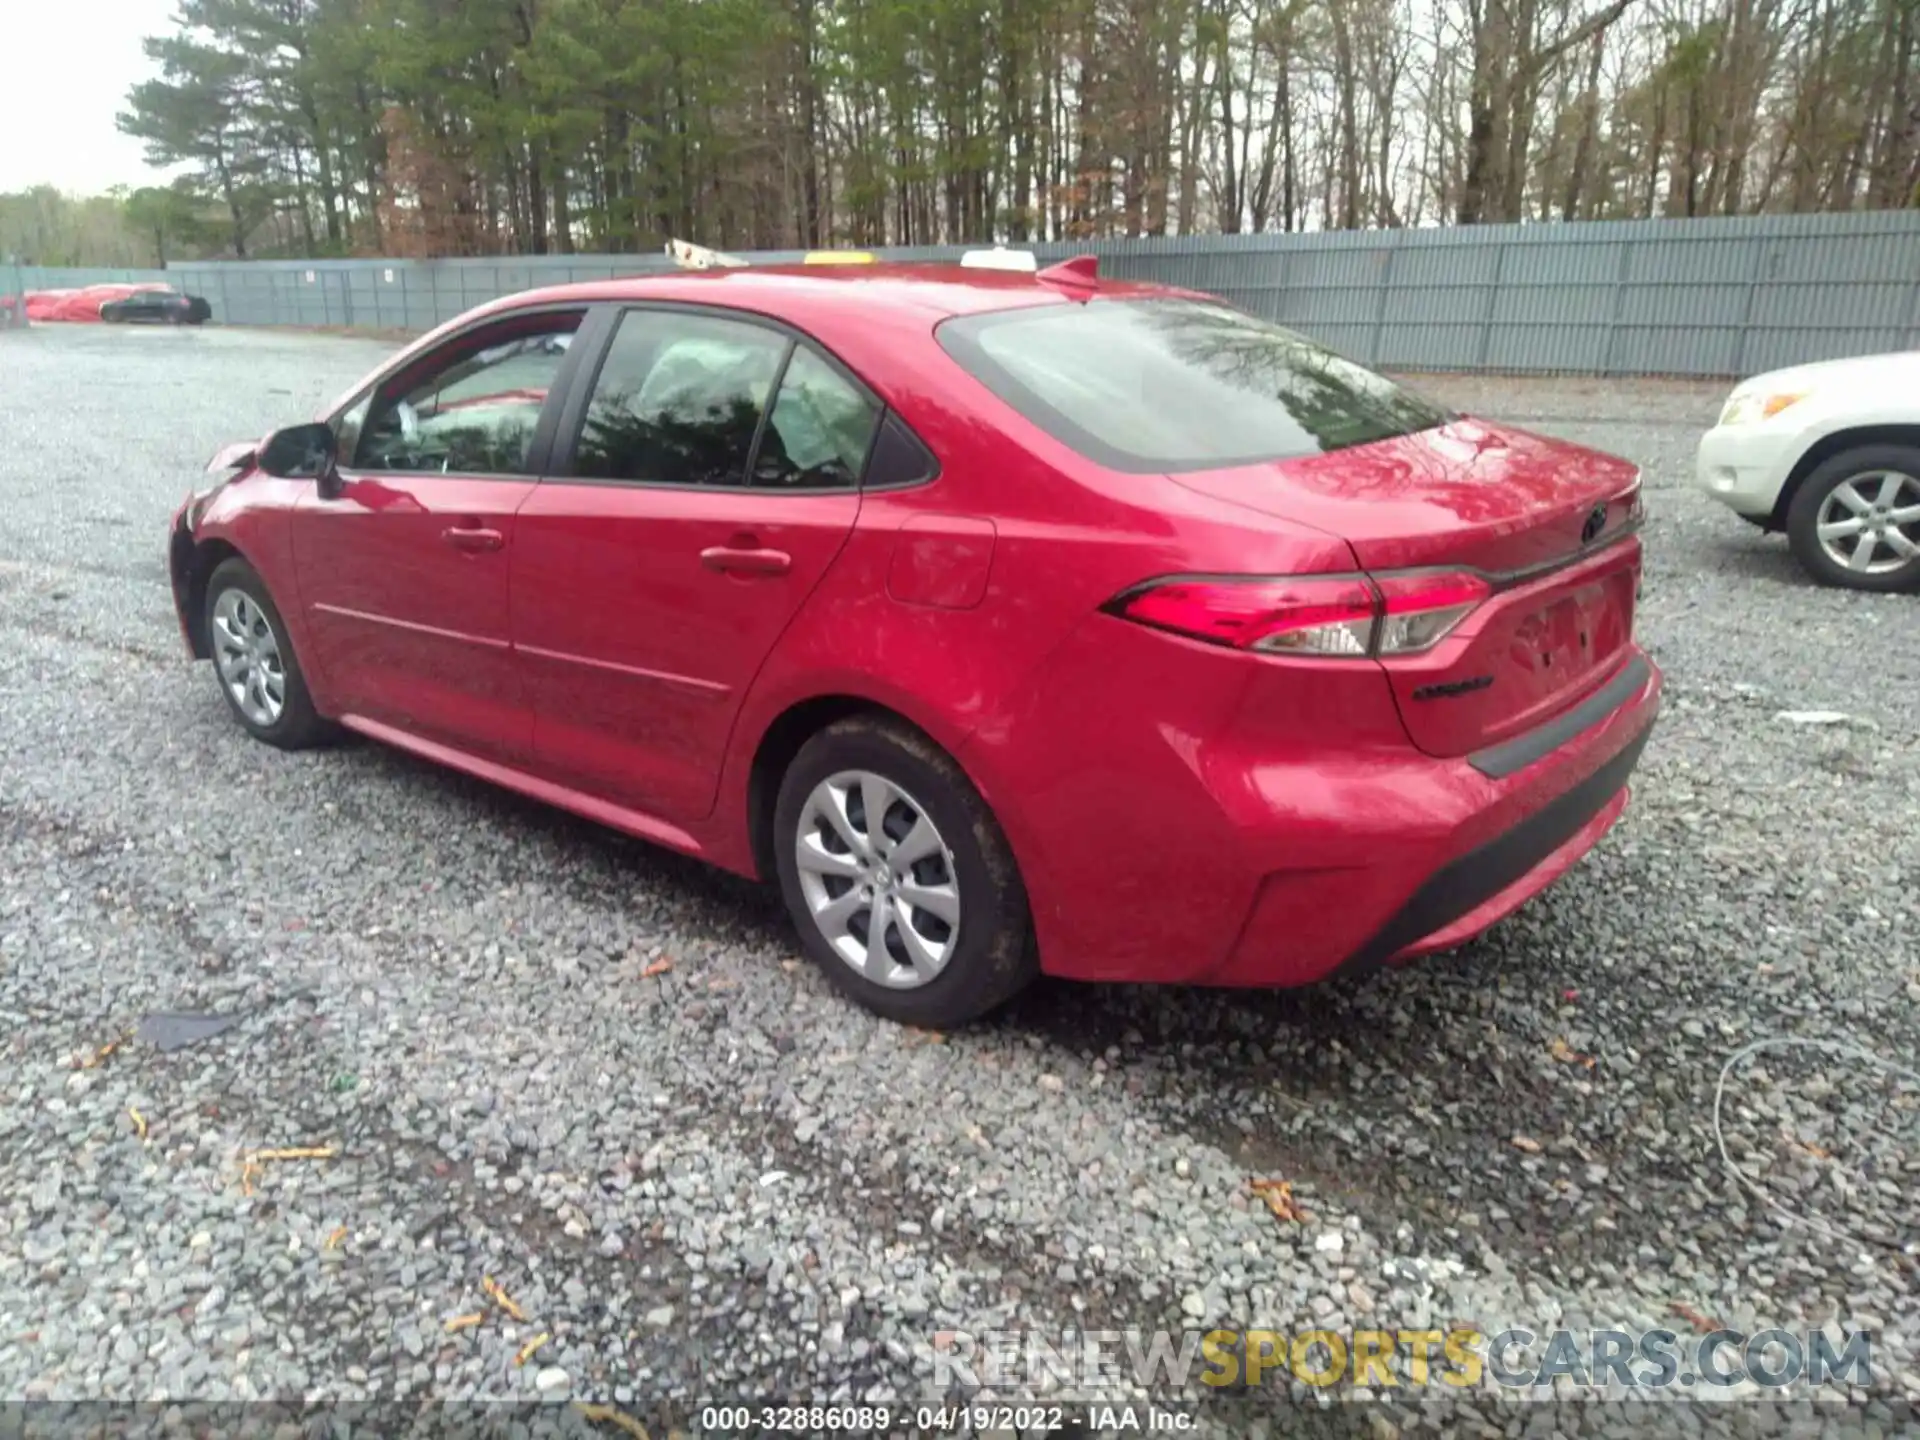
(1856, 520)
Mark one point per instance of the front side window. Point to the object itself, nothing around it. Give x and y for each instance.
(679, 400)
(1171, 385)
(347, 426)
(470, 407)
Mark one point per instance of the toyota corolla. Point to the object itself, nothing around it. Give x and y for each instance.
(1010, 622)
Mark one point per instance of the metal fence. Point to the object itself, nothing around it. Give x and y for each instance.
(46, 277)
(13, 296)
(1710, 297)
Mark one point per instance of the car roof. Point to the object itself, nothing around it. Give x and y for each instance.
(799, 294)
(938, 290)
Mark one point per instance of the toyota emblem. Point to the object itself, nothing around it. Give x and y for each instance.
(1596, 522)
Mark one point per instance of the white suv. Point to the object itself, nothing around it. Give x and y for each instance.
(1829, 453)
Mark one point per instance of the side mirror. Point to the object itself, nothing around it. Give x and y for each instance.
(299, 452)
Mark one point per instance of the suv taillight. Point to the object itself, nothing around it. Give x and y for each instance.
(1354, 616)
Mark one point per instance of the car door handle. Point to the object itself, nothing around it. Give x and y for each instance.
(732, 561)
(473, 538)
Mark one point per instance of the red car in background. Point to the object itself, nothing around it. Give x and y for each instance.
(1012, 622)
(147, 303)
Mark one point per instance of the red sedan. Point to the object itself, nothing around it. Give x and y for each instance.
(1014, 622)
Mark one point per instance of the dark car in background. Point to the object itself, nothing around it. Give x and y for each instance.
(157, 307)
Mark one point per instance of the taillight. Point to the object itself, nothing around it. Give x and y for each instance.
(1419, 609)
(1306, 616)
(1343, 615)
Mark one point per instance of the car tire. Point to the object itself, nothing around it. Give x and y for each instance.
(1863, 489)
(986, 954)
(254, 663)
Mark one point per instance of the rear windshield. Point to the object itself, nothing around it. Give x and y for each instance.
(1151, 385)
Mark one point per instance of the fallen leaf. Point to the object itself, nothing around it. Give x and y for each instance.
(491, 1289)
(1278, 1195)
(607, 1415)
(527, 1351)
(466, 1322)
(1809, 1148)
(1702, 1324)
(139, 1123)
(337, 1238)
(927, 1037)
(94, 1060)
(1567, 1055)
(658, 967)
(1526, 1143)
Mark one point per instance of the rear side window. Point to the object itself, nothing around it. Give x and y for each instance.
(679, 400)
(1170, 385)
(689, 399)
(820, 430)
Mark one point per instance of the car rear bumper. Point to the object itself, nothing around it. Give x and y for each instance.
(1514, 834)
(1180, 838)
(1744, 467)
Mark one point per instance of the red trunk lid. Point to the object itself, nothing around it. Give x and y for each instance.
(1545, 521)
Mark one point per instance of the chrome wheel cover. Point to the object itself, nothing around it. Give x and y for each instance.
(878, 879)
(246, 652)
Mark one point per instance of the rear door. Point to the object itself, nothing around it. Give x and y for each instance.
(403, 571)
(702, 485)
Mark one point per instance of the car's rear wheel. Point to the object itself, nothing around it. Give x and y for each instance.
(898, 877)
(1855, 522)
(254, 661)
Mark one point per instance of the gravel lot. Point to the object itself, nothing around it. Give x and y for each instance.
(721, 1183)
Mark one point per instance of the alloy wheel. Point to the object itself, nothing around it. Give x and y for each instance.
(247, 654)
(878, 879)
(1870, 523)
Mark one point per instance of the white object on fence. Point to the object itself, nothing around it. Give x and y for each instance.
(689, 256)
(1000, 258)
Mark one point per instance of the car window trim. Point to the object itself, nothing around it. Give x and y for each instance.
(572, 422)
(539, 447)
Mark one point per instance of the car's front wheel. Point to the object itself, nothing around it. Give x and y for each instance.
(254, 661)
(898, 877)
(1855, 522)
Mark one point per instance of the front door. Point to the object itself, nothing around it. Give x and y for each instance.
(403, 568)
(714, 478)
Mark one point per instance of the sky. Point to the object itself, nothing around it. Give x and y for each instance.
(69, 65)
